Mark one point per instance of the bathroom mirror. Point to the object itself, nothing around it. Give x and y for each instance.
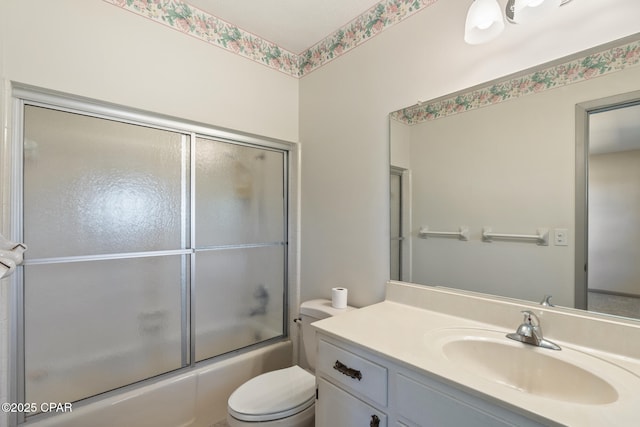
(486, 187)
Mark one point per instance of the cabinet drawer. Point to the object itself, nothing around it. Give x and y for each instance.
(336, 407)
(354, 372)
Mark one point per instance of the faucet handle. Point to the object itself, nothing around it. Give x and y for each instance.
(527, 318)
(546, 301)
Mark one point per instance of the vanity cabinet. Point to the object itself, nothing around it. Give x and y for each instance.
(359, 388)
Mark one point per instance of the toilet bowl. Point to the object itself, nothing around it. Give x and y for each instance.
(285, 397)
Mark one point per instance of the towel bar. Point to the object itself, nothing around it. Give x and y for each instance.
(462, 233)
(542, 238)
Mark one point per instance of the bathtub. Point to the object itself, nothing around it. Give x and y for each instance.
(191, 398)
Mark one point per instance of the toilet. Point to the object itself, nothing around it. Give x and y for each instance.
(285, 397)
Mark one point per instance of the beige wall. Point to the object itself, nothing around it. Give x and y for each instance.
(400, 150)
(93, 49)
(344, 127)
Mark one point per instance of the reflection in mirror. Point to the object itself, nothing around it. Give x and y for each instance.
(613, 207)
(501, 155)
(400, 210)
(395, 206)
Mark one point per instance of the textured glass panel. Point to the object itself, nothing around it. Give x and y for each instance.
(239, 194)
(238, 298)
(94, 186)
(97, 325)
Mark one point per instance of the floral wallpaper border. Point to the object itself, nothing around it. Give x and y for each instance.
(574, 71)
(380, 17)
(197, 23)
(185, 18)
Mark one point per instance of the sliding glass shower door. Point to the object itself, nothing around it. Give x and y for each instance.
(104, 209)
(150, 249)
(240, 246)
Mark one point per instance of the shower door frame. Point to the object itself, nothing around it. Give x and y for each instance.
(12, 192)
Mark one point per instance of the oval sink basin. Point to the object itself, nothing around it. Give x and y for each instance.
(567, 375)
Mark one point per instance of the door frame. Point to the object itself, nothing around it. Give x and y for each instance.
(583, 110)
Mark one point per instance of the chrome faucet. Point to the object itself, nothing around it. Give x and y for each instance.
(530, 332)
(546, 301)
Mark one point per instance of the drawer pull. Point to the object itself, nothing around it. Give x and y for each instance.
(375, 421)
(344, 369)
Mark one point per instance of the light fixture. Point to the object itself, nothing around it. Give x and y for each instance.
(521, 11)
(484, 22)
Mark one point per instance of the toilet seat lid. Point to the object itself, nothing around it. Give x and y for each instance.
(274, 395)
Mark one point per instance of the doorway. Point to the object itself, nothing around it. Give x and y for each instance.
(400, 223)
(608, 206)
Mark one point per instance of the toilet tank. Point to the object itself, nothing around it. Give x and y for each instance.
(312, 311)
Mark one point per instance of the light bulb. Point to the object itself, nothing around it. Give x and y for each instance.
(484, 22)
(522, 11)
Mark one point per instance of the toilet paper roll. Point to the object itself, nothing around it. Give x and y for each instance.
(339, 297)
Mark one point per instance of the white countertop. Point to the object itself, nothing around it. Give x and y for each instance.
(402, 333)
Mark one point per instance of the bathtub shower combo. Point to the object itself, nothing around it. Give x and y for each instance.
(155, 246)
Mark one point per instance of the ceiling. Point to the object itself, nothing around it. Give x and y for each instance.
(294, 25)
